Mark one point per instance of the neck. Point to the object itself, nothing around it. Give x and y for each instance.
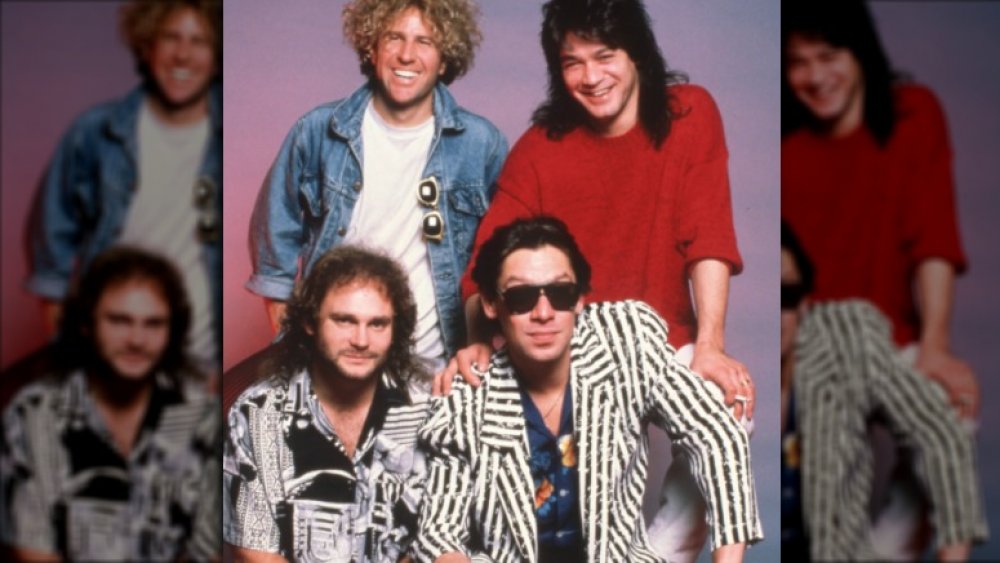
(342, 393)
(186, 114)
(403, 116)
(544, 377)
(119, 393)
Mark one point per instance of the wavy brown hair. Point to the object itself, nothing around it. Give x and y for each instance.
(339, 267)
(113, 267)
(140, 21)
(454, 23)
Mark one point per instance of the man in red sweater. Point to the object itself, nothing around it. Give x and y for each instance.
(866, 181)
(635, 163)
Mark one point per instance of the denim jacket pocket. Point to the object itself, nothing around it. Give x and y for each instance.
(467, 204)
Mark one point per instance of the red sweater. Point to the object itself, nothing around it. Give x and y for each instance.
(867, 215)
(640, 215)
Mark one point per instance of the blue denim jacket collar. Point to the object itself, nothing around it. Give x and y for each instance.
(121, 123)
(348, 116)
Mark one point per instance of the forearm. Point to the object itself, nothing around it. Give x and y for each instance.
(275, 313)
(710, 286)
(244, 555)
(935, 282)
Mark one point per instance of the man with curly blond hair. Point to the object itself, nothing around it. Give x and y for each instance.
(144, 170)
(397, 166)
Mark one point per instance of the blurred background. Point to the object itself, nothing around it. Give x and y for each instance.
(954, 48)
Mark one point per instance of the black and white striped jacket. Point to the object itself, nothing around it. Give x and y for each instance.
(623, 374)
(846, 370)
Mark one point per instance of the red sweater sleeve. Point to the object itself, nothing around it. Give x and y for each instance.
(931, 225)
(705, 213)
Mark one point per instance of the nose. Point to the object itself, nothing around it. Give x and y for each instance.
(543, 310)
(591, 73)
(406, 51)
(359, 338)
(136, 337)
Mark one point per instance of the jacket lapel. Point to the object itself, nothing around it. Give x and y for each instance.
(507, 453)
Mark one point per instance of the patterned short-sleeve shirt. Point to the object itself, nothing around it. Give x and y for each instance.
(290, 488)
(67, 489)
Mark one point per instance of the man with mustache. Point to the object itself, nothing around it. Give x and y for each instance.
(114, 455)
(320, 461)
(546, 460)
(144, 170)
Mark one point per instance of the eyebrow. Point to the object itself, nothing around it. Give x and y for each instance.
(563, 277)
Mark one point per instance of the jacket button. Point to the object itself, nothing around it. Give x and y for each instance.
(357, 186)
(342, 231)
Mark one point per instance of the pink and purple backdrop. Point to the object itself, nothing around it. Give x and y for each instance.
(281, 60)
(58, 59)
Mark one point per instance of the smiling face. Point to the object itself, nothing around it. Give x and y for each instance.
(181, 61)
(539, 339)
(604, 81)
(828, 81)
(353, 330)
(407, 64)
(132, 327)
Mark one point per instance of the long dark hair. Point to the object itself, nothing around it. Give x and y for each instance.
(339, 267)
(76, 347)
(620, 24)
(847, 24)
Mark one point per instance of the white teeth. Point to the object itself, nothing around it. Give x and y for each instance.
(405, 73)
(181, 73)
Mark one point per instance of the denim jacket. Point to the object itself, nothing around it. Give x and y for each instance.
(83, 201)
(305, 205)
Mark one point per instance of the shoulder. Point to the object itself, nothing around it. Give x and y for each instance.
(259, 394)
(691, 95)
(625, 320)
(34, 396)
(918, 108)
(478, 125)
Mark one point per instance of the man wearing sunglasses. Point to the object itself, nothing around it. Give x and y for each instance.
(635, 162)
(145, 170)
(839, 368)
(546, 460)
(396, 166)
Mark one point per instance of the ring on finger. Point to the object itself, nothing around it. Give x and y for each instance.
(479, 372)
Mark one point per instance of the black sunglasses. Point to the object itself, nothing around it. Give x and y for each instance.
(204, 202)
(428, 194)
(521, 299)
(791, 295)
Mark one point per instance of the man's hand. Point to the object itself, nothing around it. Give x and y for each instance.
(471, 361)
(955, 376)
(730, 553)
(730, 375)
(275, 313)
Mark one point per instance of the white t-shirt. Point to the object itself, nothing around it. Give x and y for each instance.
(163, 217)
(388, 216)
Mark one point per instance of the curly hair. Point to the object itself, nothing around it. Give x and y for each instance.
(619, 24)
(340, 267)
(140, 21)
(850, 25)
(111, 268)
(454, 23)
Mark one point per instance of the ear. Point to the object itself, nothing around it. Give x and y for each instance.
(804, 306)
(489, 307)
(443, 69)
(309, 329)
(579, 305)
